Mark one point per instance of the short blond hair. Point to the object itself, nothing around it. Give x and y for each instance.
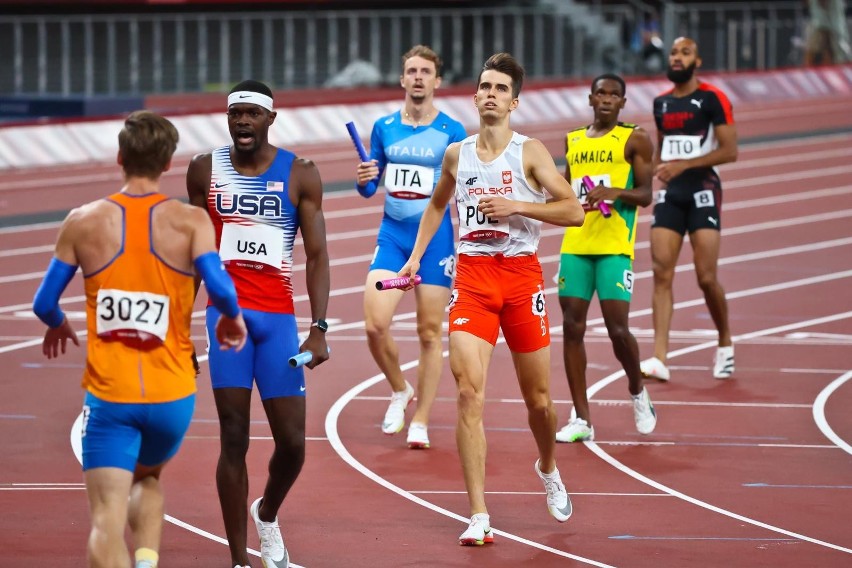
(425, 52)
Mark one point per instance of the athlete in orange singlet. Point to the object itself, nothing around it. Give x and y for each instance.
(139, 252)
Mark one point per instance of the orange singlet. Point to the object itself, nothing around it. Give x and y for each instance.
(138, 311)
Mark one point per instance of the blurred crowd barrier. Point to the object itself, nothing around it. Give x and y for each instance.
(560, 106)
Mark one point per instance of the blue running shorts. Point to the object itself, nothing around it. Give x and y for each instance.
(120, 434)
(272, 339)
(396, 239)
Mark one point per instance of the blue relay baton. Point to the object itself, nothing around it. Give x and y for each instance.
(302, 358)
(356, 140)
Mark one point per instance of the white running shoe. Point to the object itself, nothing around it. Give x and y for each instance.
(273, 553)
(418, 436)
(643, 412)
(395, 416)
(577, 430)
(558, 501)
(723, 366)
(655, 369)
(478, 532)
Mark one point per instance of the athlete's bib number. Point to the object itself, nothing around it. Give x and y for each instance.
(581, 191)
(627, 281)
(538, 308)
(259, 247)
(132, 317)
(475, 226)
(409, 182)
(704, 198)
(680, 147)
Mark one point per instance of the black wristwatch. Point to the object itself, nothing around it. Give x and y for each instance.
(321, 325)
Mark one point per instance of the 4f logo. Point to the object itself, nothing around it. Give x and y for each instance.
(471, 181)
(507, 177)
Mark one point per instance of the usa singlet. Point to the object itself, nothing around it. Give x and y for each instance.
(602, 159)
(687, 128)
(410, 157)
(138, 310)
(503, 177)
(256, 225)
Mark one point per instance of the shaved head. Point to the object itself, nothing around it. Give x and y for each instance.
(683, 41)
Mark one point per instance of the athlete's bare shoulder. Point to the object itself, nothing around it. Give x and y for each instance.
(198, 178)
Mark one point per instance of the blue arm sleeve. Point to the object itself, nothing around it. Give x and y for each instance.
(219, 285)
(46, 300)
(367, 190)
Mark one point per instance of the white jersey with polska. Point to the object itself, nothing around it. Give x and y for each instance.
(503, 177)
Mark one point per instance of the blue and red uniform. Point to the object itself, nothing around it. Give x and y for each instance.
(256, 224)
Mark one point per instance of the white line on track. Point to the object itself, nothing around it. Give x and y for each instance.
(819, 412)
(596, 449)
(332, 418)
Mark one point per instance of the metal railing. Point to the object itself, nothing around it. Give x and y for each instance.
(731, 35)
(137, 54)
(163, 53)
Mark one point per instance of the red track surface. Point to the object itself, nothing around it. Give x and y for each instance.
(683, 496)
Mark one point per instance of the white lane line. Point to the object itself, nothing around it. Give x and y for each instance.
(331, 420)
(819, 412)
(334, 412)
(596, 449)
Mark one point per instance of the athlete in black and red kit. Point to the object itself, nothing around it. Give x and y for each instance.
(695, 133)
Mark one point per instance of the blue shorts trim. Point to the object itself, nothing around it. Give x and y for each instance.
(272, 339)
(122, 435)
(396, 240)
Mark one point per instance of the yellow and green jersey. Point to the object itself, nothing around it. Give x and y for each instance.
(603, 160)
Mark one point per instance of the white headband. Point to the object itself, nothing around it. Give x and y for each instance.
(250, 97)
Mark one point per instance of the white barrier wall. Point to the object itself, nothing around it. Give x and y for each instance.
(74, 143)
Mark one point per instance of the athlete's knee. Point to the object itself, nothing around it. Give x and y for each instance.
(429, 333)
(573, 330)
(707, 281)
(471, 401)
(376, 331)
(291, 448)
(618, 333)
(663, 273)
(538, 402)
(234, 442)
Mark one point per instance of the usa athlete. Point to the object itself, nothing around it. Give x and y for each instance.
(695, 133)
(258, 197)
(407, 147)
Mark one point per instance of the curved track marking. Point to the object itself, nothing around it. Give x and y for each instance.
(331, 431)
(819, 412)
(595, 388)
(77, 447)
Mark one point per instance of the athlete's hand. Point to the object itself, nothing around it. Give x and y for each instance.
(669, 170)
(195, 364)
(601, 193)
(497, 207)
(367, 171)
(231, 332)
(316, 344)
(55, 338)
(410, 270)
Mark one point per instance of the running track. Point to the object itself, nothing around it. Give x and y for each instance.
(755, 471)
